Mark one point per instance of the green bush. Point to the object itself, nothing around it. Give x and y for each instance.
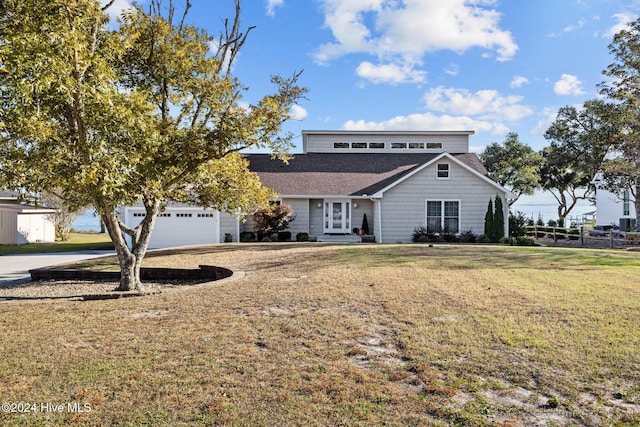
(302, 237)
(228, 238)
(574, 234)
(483, 238)
(467, 236)
(419, 234)
(525, 241)
(247, 236)
(284, 236)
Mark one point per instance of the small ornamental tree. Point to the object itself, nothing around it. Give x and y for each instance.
(488, 221)
(365, 224)
(498, 220)
(494, 221)
(65, 215)
(274, 218)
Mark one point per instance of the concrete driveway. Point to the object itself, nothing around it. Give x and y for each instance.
(15, 268)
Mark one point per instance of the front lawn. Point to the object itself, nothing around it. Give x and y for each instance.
(317, 334)
(76, 242)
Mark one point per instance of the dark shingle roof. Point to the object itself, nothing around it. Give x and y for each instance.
(342, 174)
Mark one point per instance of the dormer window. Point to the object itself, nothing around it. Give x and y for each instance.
(443, 171)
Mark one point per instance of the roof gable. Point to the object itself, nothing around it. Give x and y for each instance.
(347, 174)
(469, 162)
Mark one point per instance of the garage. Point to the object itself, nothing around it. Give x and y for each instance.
(179, 226)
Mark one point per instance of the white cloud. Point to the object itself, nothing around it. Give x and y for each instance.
(298, 113)
(548, 116)
(402, 33)
(571, 28)
(390, 73)
(271, 6)
(485, 104)
(568, 85)
(428, 121)
(518, 81)
(622, 23)
(452, 70)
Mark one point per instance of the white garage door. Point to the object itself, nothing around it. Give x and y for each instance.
(180, 227)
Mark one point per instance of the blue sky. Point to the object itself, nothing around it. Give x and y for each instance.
(492, 66)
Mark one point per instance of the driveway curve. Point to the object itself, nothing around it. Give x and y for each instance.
(15, 268)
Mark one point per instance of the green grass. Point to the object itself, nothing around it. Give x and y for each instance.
(76, 242)
(344, 335)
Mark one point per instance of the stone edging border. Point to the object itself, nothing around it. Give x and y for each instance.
(229, 276)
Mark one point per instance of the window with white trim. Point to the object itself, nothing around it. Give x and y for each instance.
(443, 216)
(442, 171)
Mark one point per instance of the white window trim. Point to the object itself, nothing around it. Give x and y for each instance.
(448, 171)
(442, 216)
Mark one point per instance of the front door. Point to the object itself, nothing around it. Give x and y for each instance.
(337, 216)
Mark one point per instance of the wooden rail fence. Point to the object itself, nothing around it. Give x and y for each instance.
(612, 237)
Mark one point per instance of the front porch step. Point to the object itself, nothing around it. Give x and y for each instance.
(339, 238)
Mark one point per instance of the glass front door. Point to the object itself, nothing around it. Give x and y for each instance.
(337, 216)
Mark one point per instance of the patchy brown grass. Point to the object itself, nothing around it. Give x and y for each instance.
(343, 335)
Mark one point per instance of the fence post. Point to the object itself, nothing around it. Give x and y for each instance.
(611, 238)
(582, 235)
(555, 237)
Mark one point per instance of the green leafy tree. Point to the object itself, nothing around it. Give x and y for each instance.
(621, 170)
(513, 165)
(580, 139)
(142, 114)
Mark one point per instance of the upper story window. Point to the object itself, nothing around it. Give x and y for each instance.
(392, 145)
(443, 171)
(359, 145)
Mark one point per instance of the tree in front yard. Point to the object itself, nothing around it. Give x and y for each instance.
(273, 218)
(148, 113)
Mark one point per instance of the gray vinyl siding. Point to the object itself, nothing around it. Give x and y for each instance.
(301, 212)
(404, 206)
(357, 214)
(228, 225)
(323, 143)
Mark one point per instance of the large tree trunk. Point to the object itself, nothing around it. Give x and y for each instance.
(130, 259)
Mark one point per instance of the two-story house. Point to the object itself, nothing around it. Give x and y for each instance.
(399, 180)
